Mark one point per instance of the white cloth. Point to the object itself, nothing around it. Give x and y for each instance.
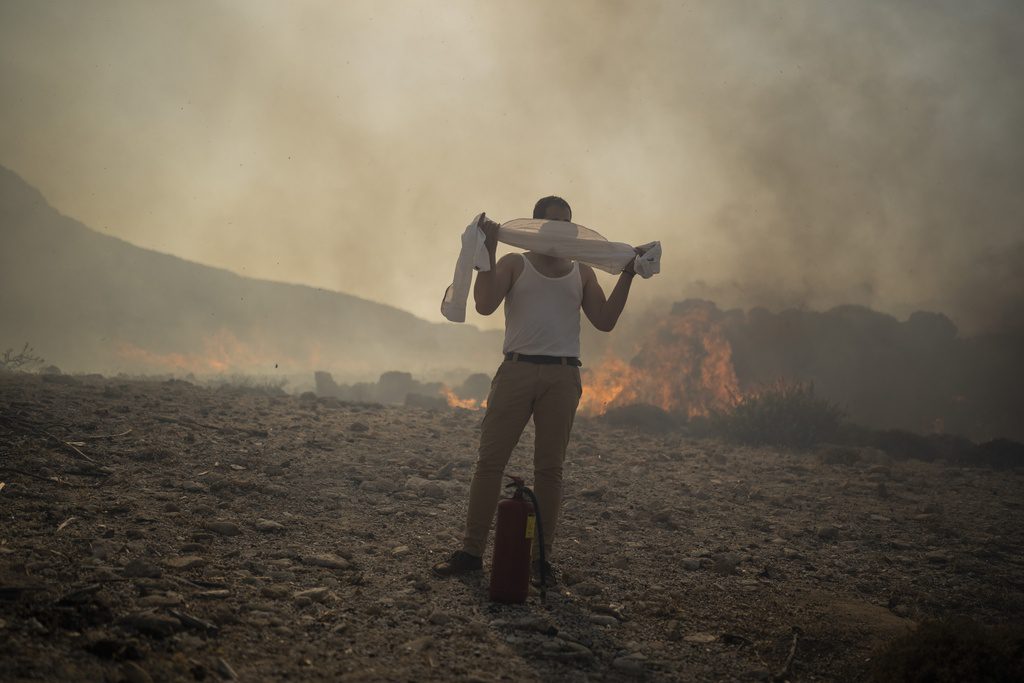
(552, 238)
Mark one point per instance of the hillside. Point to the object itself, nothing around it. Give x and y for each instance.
(90, 302)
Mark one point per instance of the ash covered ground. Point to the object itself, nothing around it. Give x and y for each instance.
(163, 531)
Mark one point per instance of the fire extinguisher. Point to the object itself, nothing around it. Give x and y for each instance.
(518, 521)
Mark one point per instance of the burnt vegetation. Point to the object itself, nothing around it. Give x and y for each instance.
(786, 414)
(25, 359)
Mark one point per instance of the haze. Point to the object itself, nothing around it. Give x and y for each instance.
(787, 154)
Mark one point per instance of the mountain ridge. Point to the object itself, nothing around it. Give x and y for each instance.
(133, 309)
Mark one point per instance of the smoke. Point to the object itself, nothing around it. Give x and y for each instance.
(800, 154)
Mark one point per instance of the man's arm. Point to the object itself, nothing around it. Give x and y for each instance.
(491, 286)
(604, 313)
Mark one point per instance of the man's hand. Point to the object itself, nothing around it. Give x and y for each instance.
(489, 227)
(631, 266)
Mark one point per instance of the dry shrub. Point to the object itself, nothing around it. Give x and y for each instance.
(782, 415)
(953, 651)
(11, 360)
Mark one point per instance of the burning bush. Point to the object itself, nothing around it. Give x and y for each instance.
(782, 415)
(953, 650)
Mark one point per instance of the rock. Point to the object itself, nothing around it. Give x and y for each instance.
(133, 673)
(104, 550)
(690, 563)
(571, 578)
(359, 427)
(275, 592)
(400, 551)
(700, 638)
(790, 553)
(327, 561)
(587, 589)
(621, 563)
(632, 664)
(726, 563)
(217, 594)
(937, 556)
(319, 594)
(152, 624)
(377, 486)
(268, 526)
(664, 519)
(827, 532)
(142, 569)
(160, 600)
(225, 671)
(223, 528)
(603, 620)
(557, 648)
(439, 618)
(418, 644)
(185, 562)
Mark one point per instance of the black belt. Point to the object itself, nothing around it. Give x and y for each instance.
(543, 360)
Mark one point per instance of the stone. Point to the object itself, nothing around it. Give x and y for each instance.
(152, 623)
(700, 638)
(726, 563)
(359, 427)
(268, 526)
(223, 528)
(439, 618)
(400, 551)
(827, 532)
(225, 671)
(632, 664)
(690, 563)
(327, 561)
(603, 620)
(185, 562)
(319, 594)
(133, 673)
(216, 594)
(142, 569)
(160, 600)
(587, 589)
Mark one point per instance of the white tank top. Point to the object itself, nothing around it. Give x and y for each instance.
(542, 314)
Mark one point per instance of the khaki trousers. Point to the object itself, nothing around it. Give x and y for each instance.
(550, 393)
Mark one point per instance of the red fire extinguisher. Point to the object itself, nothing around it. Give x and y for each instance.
(517, 523)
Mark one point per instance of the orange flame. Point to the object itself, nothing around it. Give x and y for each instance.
(684, 365)
(455, 402)
(222, 352)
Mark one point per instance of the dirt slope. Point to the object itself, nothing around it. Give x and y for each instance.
(243, 533)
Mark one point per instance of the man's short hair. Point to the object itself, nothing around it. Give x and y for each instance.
(540, 209)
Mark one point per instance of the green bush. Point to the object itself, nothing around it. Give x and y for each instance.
(781, 415)
(953, 651)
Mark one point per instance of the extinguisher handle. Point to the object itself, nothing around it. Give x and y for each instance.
(516, 482)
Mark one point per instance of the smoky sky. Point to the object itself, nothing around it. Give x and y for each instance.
(786, 154)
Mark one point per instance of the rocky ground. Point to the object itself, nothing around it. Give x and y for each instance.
(165, 531)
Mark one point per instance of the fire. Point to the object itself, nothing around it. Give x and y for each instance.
(684, 365)
(468, 403)
(222, 352)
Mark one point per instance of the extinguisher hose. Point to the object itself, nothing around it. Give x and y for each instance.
(540, 544)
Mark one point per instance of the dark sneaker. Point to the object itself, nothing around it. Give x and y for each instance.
(549, 574)
(459, 563)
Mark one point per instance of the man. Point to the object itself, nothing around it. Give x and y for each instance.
(543, 296)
